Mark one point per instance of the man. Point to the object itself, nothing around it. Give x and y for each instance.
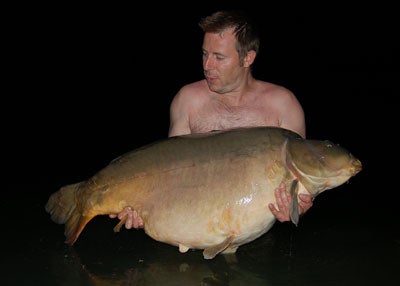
(231, 97)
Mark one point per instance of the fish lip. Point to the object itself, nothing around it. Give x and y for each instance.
(357, 166)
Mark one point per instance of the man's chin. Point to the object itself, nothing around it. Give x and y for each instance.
(213, 87)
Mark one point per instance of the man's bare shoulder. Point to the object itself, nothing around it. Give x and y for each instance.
(274, 94)
(194, 87)
(277, 97)
(272, 89)
(282, 101)
(192, 91)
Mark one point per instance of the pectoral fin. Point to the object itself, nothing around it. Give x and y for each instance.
(294, 207)
(211, 252)
(117, 228)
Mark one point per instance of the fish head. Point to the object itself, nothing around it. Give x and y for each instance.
(320, 165)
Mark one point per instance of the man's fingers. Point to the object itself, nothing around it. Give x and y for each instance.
(278, 199)
(125, 211)
(282, 199)
(280, 215)
(306, 198)
(272, 208)
(129, 220)
(130, 217)
(306, 202)
(135, 219)
(281, 210)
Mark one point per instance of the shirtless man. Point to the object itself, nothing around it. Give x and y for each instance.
(231, 97)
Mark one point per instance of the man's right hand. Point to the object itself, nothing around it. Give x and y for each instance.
(132, 219)
(283, 201)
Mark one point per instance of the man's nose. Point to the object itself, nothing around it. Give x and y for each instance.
(208, 63)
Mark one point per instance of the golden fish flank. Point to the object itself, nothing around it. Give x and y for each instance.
(207, 191)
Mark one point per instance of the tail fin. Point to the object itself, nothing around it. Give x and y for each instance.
(65, 209)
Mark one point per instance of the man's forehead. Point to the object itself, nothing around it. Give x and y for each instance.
(226, 33)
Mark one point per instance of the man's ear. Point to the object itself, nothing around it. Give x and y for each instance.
(249, 59)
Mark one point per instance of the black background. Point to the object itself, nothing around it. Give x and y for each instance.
(84, 84)
(87, 83)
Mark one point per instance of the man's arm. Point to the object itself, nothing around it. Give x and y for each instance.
(291, 113)
(179, 118)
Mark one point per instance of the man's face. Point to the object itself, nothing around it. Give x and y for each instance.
(221, 65)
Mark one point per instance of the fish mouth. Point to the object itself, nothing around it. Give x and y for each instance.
(357, 166)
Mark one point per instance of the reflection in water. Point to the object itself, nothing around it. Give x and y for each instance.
(316, 253)
(143, 261)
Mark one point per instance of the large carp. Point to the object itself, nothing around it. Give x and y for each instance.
(206, 191)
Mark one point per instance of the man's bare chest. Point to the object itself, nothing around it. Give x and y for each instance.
(226, 117)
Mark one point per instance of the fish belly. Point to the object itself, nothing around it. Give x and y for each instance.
(197, 209)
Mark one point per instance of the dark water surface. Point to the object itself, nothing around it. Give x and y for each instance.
(342, 240)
